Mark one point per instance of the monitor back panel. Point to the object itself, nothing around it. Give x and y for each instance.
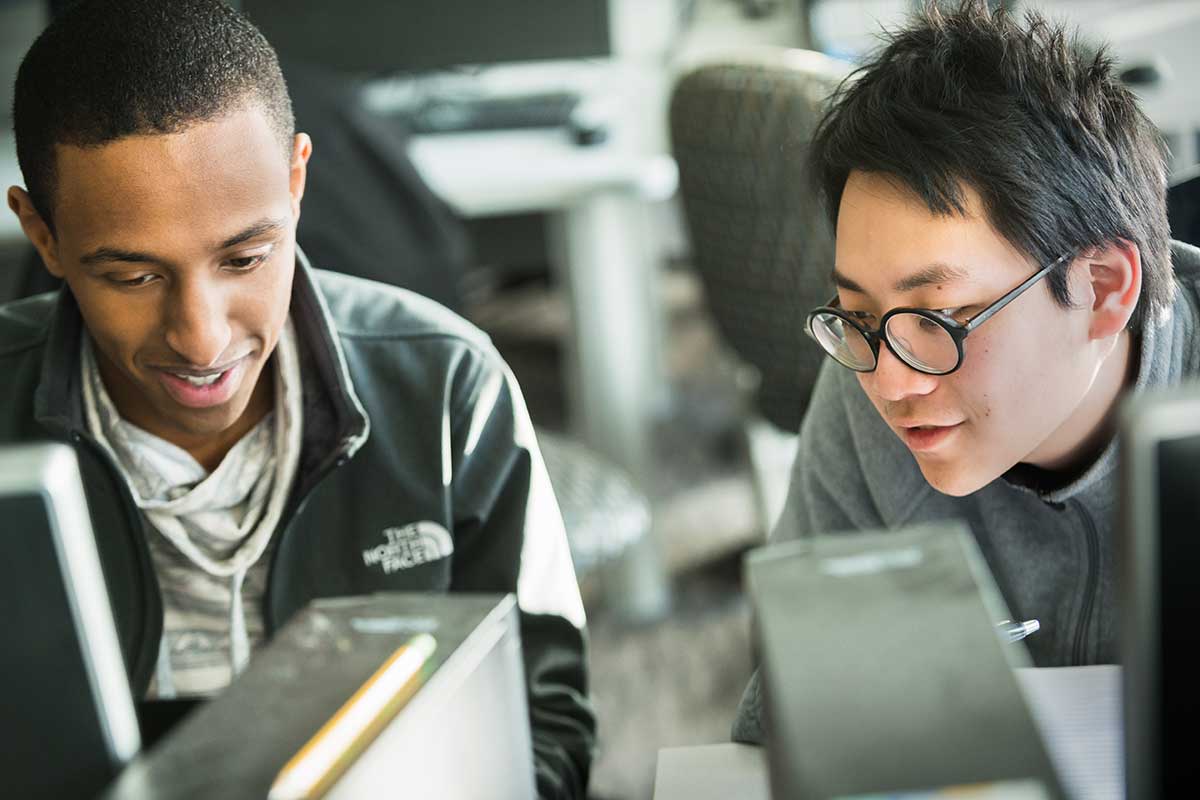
(1160, 554)
(883, 670)
(55, 743)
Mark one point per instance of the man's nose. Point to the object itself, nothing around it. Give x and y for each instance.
(197, 324)
(893, 380)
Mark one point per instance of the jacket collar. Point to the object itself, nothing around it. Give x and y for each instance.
(335, 423)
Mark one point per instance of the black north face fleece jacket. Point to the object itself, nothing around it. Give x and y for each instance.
(419, 471)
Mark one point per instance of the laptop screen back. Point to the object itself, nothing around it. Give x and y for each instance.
(1160, 553)
(67, 714)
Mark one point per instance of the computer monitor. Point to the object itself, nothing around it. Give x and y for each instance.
(384, 36)
(68, 718)
(1160, 555)
(464, 734)
(883, 672)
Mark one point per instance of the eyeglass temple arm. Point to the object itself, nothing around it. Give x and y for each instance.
(1008, 298)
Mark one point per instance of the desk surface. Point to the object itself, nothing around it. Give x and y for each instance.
(712, 772)
(1077, 709)
(510, 172)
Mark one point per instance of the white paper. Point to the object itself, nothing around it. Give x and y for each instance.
(1078, 710)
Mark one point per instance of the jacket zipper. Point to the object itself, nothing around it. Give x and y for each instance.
(139, 680)
(290, 512)
(1091, 586)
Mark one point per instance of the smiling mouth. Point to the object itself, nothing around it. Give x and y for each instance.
(200, 380)
(920, 438)
(207, 388)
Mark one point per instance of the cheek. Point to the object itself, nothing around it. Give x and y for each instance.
(989, 381)
(1006, 379)
(119, 325)
(264, 301)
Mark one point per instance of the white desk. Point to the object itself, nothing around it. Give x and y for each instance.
(1077, 709)
(602, 248)
(712, 772)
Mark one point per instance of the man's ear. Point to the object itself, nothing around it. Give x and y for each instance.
(298, 170)
(36, 229)
(1114, 275)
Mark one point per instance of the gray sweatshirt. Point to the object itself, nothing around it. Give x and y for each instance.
(1052, 553)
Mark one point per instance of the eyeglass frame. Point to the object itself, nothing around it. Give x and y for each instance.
(958, 331)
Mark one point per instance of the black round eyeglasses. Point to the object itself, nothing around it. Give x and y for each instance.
(928, 341)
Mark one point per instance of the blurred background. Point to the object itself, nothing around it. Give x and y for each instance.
(613, 190)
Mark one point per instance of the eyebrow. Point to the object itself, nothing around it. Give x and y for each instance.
(109, 254)
(253, 232)
(930, 275)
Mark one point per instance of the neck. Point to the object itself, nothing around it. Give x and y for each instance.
(1077, 444)
(209, 451)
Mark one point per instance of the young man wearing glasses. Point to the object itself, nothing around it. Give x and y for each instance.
(1004, 275)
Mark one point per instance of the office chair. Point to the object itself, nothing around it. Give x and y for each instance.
(761, 242)
(603, 512)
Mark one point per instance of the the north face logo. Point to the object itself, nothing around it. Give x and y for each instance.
(409, 546)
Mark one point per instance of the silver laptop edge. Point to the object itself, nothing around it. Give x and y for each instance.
(52, 468)
(1174, 416)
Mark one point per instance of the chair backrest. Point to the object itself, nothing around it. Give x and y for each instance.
(760, 239)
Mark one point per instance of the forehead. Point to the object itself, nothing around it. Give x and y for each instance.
(886, 233)
(201, 181)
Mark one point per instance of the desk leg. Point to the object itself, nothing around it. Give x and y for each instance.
(602, 246)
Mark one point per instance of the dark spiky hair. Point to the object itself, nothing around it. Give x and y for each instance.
(106, 69)
(1030, 117)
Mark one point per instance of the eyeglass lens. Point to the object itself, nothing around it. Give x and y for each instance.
(920, 341)
(843, 341)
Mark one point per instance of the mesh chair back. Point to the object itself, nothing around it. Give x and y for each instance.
(760, 239)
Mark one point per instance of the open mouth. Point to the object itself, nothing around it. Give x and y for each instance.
(202, 391)
(920, 438)
(195, 380)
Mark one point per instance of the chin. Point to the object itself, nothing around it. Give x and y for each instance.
(952, 480)
(207, 421)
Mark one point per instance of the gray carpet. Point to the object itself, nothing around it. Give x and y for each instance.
(672, 684)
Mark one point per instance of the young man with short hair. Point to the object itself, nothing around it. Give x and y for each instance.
(254, 433)
(1004, 275)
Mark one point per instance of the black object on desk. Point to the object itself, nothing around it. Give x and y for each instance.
(490, 113)
(464, 734)
(884, 672)
(67, 715)
(1160, 512)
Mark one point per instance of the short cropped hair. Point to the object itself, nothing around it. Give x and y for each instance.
(1028, 116)
(106, 69)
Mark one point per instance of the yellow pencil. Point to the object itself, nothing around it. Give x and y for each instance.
(328, 754)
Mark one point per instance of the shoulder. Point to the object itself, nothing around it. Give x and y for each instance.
(24, 324)
(1185, 259)
(1185, 262)
(395, 335)
(366, 309)
(412, 330)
